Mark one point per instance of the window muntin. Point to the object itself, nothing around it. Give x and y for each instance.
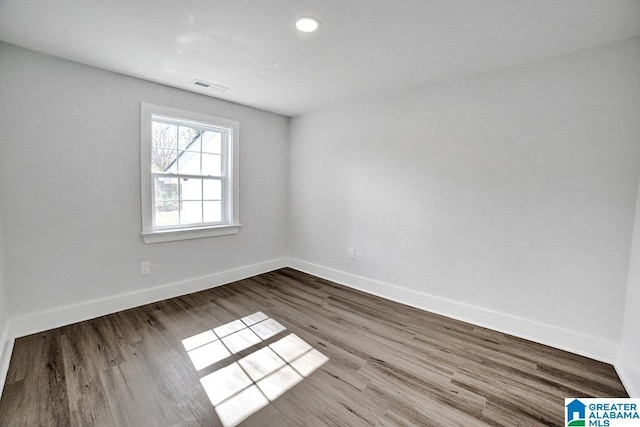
(189, 171)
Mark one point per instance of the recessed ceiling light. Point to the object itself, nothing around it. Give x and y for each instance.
(307, 24)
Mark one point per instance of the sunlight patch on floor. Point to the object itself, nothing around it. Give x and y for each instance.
(243, 387)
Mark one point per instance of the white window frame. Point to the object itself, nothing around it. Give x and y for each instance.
(230, 223)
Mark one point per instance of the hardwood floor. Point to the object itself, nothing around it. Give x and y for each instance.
(388, 364)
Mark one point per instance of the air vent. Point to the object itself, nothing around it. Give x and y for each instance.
(208, 85)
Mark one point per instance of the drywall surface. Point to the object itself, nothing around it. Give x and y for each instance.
(511, 191)
(629, 359)
(6, 343)
(3, 292)
(70, 194)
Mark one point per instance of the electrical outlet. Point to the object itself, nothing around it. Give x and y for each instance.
(352, 252)
(145, 268)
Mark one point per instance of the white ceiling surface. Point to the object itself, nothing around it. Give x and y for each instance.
(363, 48)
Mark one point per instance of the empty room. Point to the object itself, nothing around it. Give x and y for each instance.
(293, 212)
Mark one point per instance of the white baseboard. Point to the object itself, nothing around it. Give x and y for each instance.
(43, 320)
(6, 348)
(5, 358)
(628, 370)
(574, 342)
(32, 323)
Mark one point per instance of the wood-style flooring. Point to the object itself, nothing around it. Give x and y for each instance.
(388, 364)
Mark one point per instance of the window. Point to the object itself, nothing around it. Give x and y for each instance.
(189, 175)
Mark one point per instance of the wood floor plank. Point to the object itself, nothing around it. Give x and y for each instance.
(388, 365)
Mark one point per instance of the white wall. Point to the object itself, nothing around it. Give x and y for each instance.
(629, 360)
(3, 294)
(506, 198)
(5, 345)
(70, 168)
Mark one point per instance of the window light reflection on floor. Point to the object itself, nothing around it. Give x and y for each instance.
(245, 386)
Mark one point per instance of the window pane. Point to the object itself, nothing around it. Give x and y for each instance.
(192, 171)
(191, 189)
(211, 165)
(212, 189)
(164, 135)
(166, 214)
(189, 163)
(211, 142)
(163, 160)
(166, 189)
(186, 137)
(191, 213)
(212, 211)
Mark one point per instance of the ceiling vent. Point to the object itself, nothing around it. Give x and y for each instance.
(208, 85)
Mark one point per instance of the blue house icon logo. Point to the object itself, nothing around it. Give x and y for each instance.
(576, 413)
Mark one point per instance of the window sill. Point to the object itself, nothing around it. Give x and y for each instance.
(189, 233)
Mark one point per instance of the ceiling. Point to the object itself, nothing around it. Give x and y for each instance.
(363, 47)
